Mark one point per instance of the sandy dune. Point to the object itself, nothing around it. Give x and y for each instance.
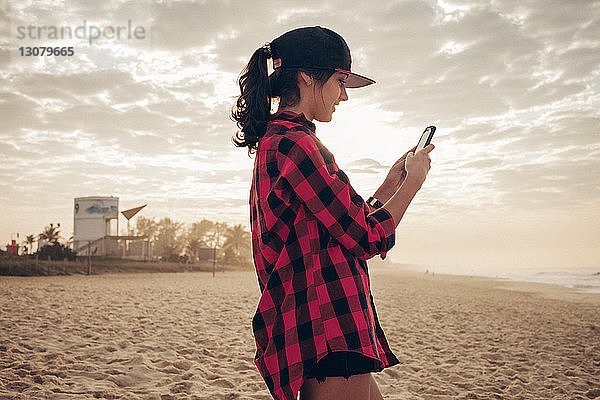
(188, 336)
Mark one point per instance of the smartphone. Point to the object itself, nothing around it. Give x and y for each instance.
(425, 138)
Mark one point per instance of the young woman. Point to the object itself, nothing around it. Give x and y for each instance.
(316, 327)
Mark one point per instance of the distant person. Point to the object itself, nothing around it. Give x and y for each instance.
(316, 327)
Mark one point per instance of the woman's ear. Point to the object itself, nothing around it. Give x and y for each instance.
(304, 78)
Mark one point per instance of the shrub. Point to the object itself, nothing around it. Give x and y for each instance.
(56, 252)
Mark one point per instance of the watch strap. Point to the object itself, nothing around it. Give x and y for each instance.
(373, 202)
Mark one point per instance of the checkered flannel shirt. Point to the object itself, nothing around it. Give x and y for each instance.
(311, 235)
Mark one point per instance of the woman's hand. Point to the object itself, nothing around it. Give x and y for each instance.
(395, 177)
(417, 165)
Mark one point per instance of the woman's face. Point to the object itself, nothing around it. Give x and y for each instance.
(331, 93)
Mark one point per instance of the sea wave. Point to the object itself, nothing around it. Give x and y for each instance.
(581, 279)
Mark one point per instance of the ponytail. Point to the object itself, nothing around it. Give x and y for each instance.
(253, 106)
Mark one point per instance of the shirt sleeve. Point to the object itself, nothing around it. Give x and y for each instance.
(331, 200)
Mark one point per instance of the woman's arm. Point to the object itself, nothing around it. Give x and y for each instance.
(416, 168)
(393, 180)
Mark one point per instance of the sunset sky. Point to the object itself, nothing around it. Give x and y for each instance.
(513, 87)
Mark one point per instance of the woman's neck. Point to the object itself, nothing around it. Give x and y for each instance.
(298, 109)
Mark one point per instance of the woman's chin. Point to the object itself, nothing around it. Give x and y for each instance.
(324, 118)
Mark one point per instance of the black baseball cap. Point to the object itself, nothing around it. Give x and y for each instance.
(316, 47)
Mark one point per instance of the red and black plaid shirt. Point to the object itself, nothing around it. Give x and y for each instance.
(311, 235)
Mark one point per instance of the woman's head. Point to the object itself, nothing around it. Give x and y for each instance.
(319, 98)
(286, 83)
(311, 67)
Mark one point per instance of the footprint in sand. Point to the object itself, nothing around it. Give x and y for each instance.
(181, 387)
(222, 382)
(391, 373)
(18, 386)
(593, 393)
(182, 365)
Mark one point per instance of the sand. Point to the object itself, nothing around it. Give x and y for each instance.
(188, 336)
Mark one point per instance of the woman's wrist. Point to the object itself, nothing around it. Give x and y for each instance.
(387, 190)
(384, 193)
(401, 199)
(412, 182)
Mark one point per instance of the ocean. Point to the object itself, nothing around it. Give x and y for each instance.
(581, 279)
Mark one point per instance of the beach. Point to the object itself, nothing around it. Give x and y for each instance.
(188, 336)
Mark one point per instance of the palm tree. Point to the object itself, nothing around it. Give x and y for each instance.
(50, 233)
(29, 239)
(237, 244)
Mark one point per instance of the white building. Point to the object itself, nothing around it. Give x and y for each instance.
(96, 230)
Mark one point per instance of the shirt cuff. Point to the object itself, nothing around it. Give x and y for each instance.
(384, 222)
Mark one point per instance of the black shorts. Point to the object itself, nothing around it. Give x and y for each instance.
(343, 363)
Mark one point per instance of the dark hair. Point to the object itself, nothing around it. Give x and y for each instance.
(253, 107)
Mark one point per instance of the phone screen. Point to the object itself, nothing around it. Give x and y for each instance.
(425, 138)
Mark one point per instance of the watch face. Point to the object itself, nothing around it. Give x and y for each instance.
(373, 202)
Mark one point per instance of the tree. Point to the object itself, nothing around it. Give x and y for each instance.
(29, 239)
(52, 248)
(147, 227)
(192, 249)
(237, 245)
(200, 230)
(50, 234)
(196, 236)
(168, 243)
(56, 252)
(216, 235)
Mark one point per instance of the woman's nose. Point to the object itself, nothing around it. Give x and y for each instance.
(343, 94)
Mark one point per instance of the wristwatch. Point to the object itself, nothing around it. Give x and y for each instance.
(373, 202)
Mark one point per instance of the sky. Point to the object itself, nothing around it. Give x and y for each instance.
(141, 111)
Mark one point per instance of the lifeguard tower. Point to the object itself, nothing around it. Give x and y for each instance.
(96, 230)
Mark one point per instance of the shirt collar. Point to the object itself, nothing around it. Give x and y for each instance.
(294, 117)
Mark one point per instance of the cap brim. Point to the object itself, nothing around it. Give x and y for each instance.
(355, 80)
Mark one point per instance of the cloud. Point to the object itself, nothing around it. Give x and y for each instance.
(558, 131)
(46, 85)
(511, 85)
(179, 26)
(500, 64)
(367, 163)
(366, 166)
(18, 111)
(17, 153)
(569, 184)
